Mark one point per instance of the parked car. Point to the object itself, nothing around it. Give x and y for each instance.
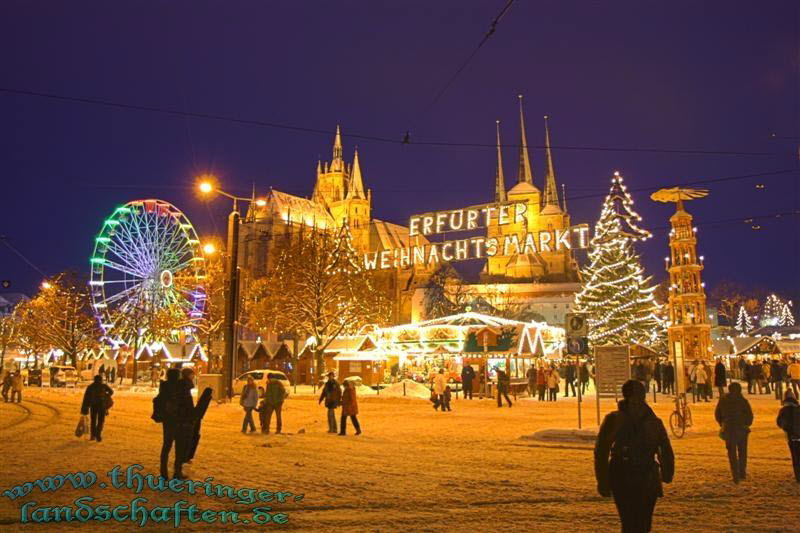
(35, 377)
(64, 375)
(261, 377)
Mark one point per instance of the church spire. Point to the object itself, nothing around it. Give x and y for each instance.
(550, 188)
(337, 163)
(524, 173)
(500, 181)
(356, 188)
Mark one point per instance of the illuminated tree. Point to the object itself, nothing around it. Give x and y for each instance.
(616, 296)
(743, 322)
(59, 317)
(771, 312)
(9, 328)
(787, 318)
(318, 287)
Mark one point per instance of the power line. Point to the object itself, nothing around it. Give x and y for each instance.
(489, 33)
(388, 140)
(4, 239)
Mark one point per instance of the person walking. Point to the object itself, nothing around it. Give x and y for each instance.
(122, 371)
(632, 456)
(583, 375)
(541, 382)
(174, 409)
(701, 379)
(734, 415)
(503, 386)
(439, 384)
(778, 376)
(155, 376)
(766, 365)
(721, 378)
(7, 379)
(349, 408)
(274, 395)
(669, 378)
(16, 387)
(657, 375)
(692, 372)
(789, 421)
(530, 374)
(96, 402)
(249, 401)
(553, 378)
(332, 394)
(793, 371)
(750, 377)
(761, 377)
(467, 377)
(446, 397)
(569, 380)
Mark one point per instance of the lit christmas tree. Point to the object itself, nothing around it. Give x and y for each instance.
(771, 313)
(616, 295)
(743, 323)
(787, 318)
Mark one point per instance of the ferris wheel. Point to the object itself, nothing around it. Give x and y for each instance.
(146, 258)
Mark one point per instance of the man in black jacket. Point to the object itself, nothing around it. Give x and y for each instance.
(175, 408)
(467, 376)
(734, 415)
(94, 402)
(640, 458)
(721, 378)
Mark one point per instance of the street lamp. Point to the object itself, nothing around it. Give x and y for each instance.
(206, 186)
(209, 248)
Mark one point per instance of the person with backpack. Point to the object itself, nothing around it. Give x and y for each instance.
(249, 401)
(96, 403)
(274, 396)
(332, 394)
(789, 421)
(349, 408)
(173, 407)
(632, 456)
(503, 386)
(7, 377)
(734, 415)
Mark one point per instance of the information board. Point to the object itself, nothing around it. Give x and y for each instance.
(612, 369)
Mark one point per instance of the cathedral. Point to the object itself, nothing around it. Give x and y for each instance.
(536, 280)
(339, 198)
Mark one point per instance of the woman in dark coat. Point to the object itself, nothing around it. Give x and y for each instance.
(349, 408)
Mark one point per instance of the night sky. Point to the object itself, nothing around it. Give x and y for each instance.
(680, 75)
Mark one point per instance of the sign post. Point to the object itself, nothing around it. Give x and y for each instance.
(577, 331)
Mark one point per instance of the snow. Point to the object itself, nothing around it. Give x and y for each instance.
(412, 469)
(412, 390)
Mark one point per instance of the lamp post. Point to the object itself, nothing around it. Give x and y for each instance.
(206, 186)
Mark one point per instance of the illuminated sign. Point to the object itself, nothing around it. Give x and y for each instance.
(479, 247)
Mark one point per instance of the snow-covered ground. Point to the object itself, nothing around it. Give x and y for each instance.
(413, 468)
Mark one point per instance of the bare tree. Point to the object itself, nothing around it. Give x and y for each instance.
(319, 288)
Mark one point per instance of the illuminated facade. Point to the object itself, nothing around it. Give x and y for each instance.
(545, 214)
(339, 197)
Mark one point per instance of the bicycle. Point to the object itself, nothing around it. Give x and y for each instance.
(681, 418)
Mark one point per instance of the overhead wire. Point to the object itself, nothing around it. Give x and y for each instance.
(359, 136)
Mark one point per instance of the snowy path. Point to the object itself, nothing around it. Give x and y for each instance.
(413, 468)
